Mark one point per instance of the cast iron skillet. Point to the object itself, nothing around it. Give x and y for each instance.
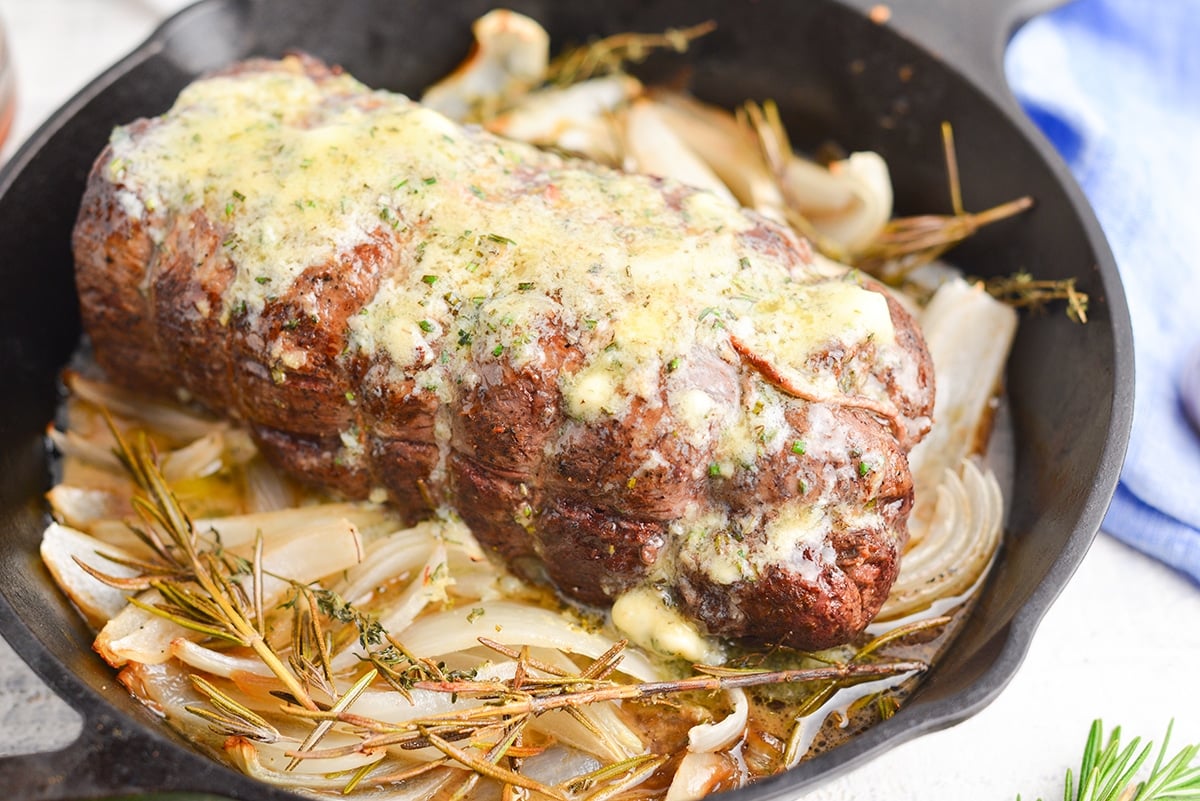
(837, 76)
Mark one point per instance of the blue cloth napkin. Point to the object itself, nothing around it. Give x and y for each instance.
(1115, 84)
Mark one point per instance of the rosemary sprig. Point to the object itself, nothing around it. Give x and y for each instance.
(517, 698)
(210, 601)
(1107, 770)
(220, 596)
(906, 243)
(826, 691)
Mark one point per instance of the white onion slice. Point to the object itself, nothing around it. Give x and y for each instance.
(266, 762)
(198, 459)
(808, 726)
(958, 546)
(511, 54)
(514, 624)
(135, 635)
(428, 586)
(725, 732)
(969, 335)
(98, 454)
(698, 774)
(266, 488)
(216, 663)
(237, 532)
(81, 507)
(651, 147)
(576, 118)
(165, 418)
(388, 559)
(865, 176)
(728, 148)
(617, 741)
(60, 547)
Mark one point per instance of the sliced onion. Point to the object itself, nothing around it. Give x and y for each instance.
(266, 762)
(652, 147)
(865, 175)
(558, 766)
(387, 559)
(428, 586)
(266, 488)
(511, 54)
(727, 147)
(808, 726)
(238, 531)
(958, 546)
(216, 663)
(81, 507)
(168, 419)
(698, 774)
(514, 624)
(198, 459)
(725, 732)
(98, 454)
(969, 334)
(577, 118)
(166, 689)
(61, 546)
(606, 734)
(136, 635)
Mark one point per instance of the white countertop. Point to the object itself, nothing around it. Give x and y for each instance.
(1121, 643)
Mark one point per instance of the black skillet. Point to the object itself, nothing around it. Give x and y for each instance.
(838, 75)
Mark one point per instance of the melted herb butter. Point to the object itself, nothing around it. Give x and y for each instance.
(797, 540)
(645, 617)
(498, 245)
(793, 536)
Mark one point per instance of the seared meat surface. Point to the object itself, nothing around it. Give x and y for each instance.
(616, 381)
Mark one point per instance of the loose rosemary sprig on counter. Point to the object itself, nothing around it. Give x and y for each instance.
(1108, 769)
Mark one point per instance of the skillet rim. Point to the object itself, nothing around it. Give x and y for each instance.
(927, 717)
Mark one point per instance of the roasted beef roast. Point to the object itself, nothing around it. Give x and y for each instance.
(617, 381)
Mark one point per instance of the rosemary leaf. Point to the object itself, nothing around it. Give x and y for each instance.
(1107, 771)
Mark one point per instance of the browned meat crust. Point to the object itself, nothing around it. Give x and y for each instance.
(580, 502)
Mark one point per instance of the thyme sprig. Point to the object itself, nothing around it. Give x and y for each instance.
(1022, 290)
(611, 54)
(1107, 770)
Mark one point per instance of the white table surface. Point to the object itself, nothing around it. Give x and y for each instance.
(1122, 642)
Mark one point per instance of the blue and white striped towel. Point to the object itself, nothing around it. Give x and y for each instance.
(1115, 84)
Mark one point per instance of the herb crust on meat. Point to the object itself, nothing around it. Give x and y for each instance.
(616, 381)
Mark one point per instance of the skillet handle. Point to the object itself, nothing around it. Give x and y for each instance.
(969, 35)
